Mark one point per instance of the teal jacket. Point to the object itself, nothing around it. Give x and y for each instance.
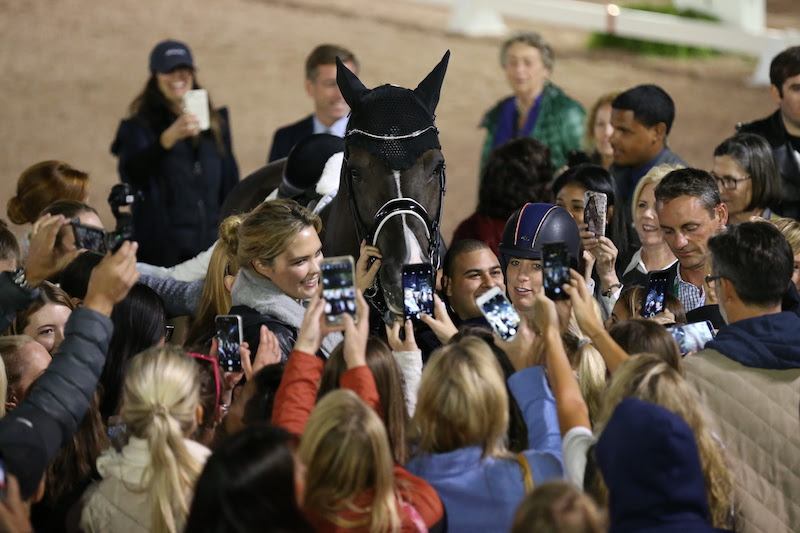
(559, 125)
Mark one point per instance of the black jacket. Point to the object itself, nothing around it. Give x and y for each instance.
(773, 130)
(286, 137)
(182, 189)
(252, 321)
(32, 434)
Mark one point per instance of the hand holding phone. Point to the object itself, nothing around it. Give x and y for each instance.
(556, 270)
(499, 312)
(338, 289)
(229, 338)
(417, 290)
(692, 337)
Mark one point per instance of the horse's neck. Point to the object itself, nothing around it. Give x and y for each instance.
(340, 237)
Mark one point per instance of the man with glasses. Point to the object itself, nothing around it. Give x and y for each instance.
(690, 211)
(749, 375)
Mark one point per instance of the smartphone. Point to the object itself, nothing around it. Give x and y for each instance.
(595, 206)
(338, 288)
(89, 237)
(3, 486)
(499, 312)
(196, 102)
(556, 269)
(692, 337)
(653, 302)
(417, 290)
(229, 338)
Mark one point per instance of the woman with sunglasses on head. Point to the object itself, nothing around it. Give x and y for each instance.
(182, 168)
(748, 179)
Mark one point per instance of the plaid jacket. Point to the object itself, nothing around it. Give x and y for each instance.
(559, 125)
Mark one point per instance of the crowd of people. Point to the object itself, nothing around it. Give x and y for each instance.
(585, 415)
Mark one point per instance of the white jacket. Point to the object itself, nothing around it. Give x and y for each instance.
(119, 503)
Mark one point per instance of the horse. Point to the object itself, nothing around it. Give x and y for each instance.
(392, 182)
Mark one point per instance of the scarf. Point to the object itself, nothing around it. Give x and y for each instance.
(261, 294)
(507, 124)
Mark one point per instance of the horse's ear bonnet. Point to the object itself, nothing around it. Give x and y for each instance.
(393, 123)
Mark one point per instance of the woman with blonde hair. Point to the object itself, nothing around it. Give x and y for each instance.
(459, 432)
(791, 230)
(42, 184)
(598, 129)
(352, 483)
(148, 485)
(279, 252)
(220, 276)
(648, 377)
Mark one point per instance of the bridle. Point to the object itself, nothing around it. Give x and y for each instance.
(394, 207)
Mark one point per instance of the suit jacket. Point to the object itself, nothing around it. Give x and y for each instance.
(286, 137)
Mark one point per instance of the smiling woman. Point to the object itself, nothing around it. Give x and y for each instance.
(279, 252)
(44, 320)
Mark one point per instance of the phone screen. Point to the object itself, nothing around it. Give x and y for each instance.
(338, 288)
(556, 270)
(692, 337)
(499, 312)
(417, 290)
(3, 487)
(195, 101)
(654, 297)
(229, 338)
(89, 238)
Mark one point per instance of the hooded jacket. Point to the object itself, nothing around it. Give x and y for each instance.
(649, 459)
(769, 342)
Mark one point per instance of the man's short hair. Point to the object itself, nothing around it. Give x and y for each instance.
(650, 105)
(784, 66)
(464, 246)
(326, 54)
(689, 182)
(531, 38)
(756, 258)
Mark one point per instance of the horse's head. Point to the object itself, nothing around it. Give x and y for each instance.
(393, 172)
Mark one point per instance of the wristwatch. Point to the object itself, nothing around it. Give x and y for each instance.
(610, 290)
(18, 277)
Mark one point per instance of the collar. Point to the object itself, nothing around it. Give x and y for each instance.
(337, 128)
(639, 172)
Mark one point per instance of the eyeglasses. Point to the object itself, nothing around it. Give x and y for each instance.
(711, 279)
(729, 182)
(168, 332)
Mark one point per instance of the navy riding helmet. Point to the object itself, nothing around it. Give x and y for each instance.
(533, 225)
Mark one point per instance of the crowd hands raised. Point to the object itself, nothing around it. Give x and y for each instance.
(590, 416)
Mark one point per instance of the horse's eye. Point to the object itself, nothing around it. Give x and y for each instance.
(437, 172)
(354, 173)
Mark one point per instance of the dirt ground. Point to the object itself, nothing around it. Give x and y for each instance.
(71, 67)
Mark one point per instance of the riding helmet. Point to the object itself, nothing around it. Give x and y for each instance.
(533, 225)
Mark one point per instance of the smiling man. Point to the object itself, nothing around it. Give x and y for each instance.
(642, 119)
(782, 128)
(330, 109)
(690, 211)
(470, 269)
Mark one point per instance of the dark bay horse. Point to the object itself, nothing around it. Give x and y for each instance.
(392, 182)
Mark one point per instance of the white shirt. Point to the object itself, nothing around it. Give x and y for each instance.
(337, 128)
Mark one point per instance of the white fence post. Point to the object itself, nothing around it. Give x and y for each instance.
(477, 18)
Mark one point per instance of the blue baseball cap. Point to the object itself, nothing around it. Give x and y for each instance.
(168, 55)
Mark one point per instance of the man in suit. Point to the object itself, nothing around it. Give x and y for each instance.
(330, 109)
(782, 128)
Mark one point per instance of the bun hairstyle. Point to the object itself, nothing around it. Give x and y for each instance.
(42, 184)
(228, 234)
(160, 399)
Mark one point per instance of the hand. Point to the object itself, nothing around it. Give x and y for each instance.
(356, 335)
(665, 318)
(313, 328)
(440, 323)
(545, 315)
(588, 262)
(13, 511)
(582, 304)
(43, 261)
(588, 238)
(268, 353)
(606, 254)
(393, 336)
(112, 278)
(366, 272)
(186, 125)
(520, 349)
